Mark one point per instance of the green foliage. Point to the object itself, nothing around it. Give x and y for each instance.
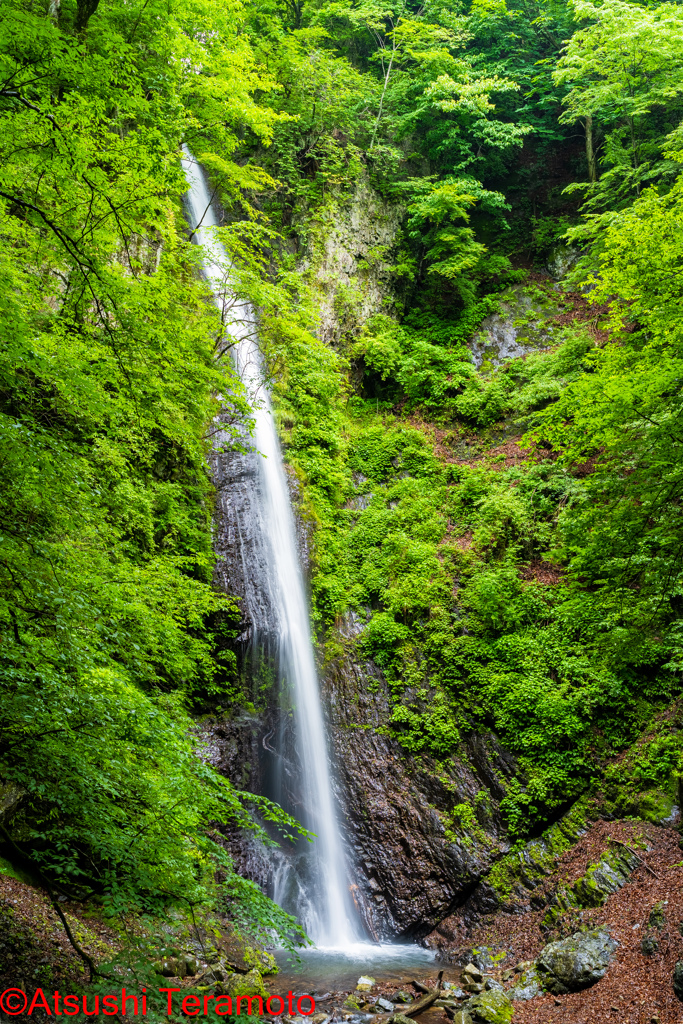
(110, 361)
(625, 75)
(541, 600)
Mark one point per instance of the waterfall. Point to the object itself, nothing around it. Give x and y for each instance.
(275, 588)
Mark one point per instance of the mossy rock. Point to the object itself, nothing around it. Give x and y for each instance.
(492, 1007)
(527, 986)
(17, 872)
(657, 918)
(264, 962)
(577, 962)
(601, 880)
(524, 870)
(250, 984)
(654, 805)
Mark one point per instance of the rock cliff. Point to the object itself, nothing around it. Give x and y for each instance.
(411, 869)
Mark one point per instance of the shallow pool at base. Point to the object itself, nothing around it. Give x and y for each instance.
(329, 969)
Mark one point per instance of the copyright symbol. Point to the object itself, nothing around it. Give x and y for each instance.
(13, 1001)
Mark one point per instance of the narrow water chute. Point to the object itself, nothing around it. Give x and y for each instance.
(330, 919)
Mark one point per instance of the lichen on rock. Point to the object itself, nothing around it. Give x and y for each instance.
(577, 962)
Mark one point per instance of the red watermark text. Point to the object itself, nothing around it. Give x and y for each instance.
(14, 1001)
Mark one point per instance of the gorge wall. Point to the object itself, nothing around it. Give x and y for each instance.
(412, 859)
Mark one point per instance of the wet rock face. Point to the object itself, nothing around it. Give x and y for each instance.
(408, 874)
(351, 270)
(242, 554)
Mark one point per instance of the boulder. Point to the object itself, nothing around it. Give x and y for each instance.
(249, 984)
(491, 1007)
(364, 983)
(577, 962)
(649, 945)
(678, 980)
(400, 1018)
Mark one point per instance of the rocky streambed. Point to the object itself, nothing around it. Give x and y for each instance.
(477, 996)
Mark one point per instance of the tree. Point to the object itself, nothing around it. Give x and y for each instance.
(625, 74)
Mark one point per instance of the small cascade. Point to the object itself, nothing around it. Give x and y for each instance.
(313, 883)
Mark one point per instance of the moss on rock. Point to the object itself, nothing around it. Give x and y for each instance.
(492, 1007)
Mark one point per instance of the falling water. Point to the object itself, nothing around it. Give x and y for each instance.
(325, 909)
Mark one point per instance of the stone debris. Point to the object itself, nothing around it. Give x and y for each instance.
(473, 972)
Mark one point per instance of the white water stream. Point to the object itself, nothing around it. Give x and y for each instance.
(326, 913)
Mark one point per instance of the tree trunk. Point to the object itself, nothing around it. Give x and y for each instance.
(84, 12)
(590, 152)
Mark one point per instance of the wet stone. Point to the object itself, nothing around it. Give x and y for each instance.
(472, 973)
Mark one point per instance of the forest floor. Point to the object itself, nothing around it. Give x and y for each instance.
(34, 947)
(637, 988)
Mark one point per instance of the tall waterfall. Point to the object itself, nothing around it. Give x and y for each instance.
(277, 584)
